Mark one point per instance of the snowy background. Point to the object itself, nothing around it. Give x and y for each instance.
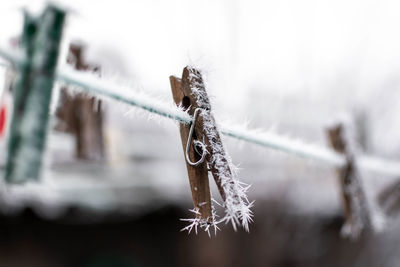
(291, 67)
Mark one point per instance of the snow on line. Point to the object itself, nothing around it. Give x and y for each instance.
(11, 56)
(310, 151)
(92, 84)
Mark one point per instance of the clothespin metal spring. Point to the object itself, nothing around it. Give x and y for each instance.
(189, 141)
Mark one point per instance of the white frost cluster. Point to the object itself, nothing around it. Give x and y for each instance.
(201, 223)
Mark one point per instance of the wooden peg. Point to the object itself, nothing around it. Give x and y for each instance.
(198, 175)
(190, 93)
(357, 217)
(389, 199)
(82, 115)
(205, 129)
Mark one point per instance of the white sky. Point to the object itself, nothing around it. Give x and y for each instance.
(286, 45)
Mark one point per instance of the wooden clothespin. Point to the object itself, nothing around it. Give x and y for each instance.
(357, 215)
(207, 152)
(389, 199)
(32, 92)
(80, 114)
(198, 175)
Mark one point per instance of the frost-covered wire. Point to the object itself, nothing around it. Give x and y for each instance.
(94, 85)
(285, 144)
(11, 56)
(3, 65)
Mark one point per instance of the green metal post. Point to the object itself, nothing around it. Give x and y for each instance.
(32, 94)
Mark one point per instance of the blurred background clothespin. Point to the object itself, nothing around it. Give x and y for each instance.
(81, 114)
(356, 210)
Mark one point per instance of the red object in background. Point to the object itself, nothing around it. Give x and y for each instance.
(3, 117)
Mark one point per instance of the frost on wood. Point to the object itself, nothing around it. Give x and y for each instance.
(236, 204)
(206, 224)
(354, 198)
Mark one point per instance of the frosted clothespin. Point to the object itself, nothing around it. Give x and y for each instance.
(198, 175)
(389, 198)
(190, 93)
(207, 153)
(357, 215)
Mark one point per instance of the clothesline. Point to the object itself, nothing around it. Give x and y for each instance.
(92, 84)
